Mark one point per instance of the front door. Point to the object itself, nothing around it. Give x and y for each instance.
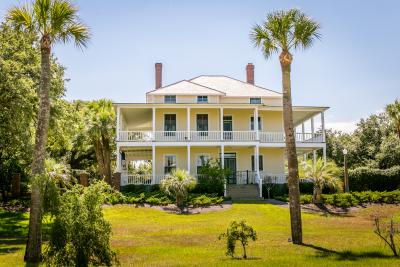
(230, 164)
(228, 127)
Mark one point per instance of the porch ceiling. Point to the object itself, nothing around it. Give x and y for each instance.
(138, 118)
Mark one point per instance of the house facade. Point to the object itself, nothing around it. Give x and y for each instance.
(184, 124)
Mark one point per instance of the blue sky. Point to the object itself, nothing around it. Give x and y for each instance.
(354, 69)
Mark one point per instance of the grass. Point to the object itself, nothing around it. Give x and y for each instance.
(150, 237)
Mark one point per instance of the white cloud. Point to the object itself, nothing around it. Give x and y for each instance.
(344, 126)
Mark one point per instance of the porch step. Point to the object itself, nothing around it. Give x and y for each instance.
(243, 191)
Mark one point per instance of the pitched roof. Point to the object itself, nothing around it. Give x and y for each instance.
(185, 88)
(233, 87)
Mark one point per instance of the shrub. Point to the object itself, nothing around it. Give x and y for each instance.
(204, 200)
(364, 178)
(177, 185)
(238, 231)
(79, 235)
(211, 178)
(388, 232)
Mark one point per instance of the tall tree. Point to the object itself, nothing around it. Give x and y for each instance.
(51, 21)
(282, 32)
(393, 111)
(101, 129)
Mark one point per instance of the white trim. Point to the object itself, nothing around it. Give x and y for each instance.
(263, 162)
(261, 124)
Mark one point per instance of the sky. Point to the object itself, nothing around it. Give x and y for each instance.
(354, 69)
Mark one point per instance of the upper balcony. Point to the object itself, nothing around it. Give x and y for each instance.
(214, 136)
(196, 123)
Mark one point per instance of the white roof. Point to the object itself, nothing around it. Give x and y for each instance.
(185, 88)
(233, 87)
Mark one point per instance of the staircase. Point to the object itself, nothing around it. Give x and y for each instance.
(243, 191)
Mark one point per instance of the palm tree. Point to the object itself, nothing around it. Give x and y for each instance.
(282, 32)
(393, 111)
(178, 184)
(52, 21)
(101, 129)
(321, 174)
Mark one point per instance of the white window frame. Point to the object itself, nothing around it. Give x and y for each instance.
(168, 102)
(202, 96)
(260, 125)
(263, 162)
(165, 161)
(252, 98)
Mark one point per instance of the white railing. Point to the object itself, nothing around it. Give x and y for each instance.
(239, 135)
(137, 136)
(171, 136)
(274, 178)
(182, 136)
(272, 137)
(205, 136)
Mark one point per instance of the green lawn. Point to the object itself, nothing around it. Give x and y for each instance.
(149, 237)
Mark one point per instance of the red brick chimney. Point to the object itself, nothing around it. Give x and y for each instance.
(250, 73)
(158, 75)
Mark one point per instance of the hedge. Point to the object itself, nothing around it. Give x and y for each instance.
(346, 200)
(282, 189)
(364, 178)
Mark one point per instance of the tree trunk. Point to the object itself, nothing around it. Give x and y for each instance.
(317, 194)
(107, 158)
(34, 244)
(293, 180)
(98, 149)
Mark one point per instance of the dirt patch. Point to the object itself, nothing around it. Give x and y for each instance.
(333, 210)
(190, 210)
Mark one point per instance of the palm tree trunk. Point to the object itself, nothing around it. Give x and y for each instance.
(107, 158)
(34, 244)
(293, 180)
(98, 149)
(317, 194)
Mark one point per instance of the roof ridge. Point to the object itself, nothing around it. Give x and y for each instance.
(207, 87)
(235, 80)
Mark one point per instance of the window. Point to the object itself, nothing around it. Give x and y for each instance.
(252, 123)
(171, 99)
(170, 164)
(202, 99)
(202, 122)
(255, 100)
(169, 124)
(260, 163)
(201, 161)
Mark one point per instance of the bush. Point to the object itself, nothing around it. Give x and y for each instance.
(204, 200)
(132, 188)
(238, 231)
(364, 178)
(79, 235)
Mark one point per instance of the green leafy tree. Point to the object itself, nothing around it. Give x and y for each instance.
(322, 175)
(177, 184)
(238, 231)
(79, 235)
(282, 32)
(51, 21)
(212, 177)
(100, 122)
(393, 111)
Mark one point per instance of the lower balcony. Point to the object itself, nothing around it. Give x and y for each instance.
(207, 136)
(239, 177)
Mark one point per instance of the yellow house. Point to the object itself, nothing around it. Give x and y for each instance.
(184, 124)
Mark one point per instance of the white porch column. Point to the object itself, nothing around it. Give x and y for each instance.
(118, 158)
(223, 166)
(188, 123)
(302, 132)
(154, 124)
(255, 121)
(153, 163)
(257, 168)
(323, 126)
(221, 114)
(312, 127)
(118, 122)
(188, 159)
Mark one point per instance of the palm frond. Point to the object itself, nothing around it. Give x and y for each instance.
(76, 32)
(21, 18)
(62, 13)
(260, 37)
(42, 14)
